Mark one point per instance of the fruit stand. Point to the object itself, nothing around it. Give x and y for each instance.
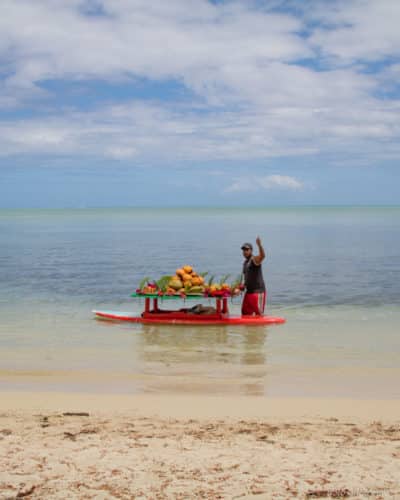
(187, 285)
(152, 310)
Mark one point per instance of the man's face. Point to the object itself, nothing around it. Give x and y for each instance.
(246, 252)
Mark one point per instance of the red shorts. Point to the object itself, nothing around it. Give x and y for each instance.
(254, 303)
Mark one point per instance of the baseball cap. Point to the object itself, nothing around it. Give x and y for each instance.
(247, 245)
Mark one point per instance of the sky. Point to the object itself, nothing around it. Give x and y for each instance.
(199, 102)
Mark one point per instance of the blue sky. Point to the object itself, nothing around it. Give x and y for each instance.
(193, 102)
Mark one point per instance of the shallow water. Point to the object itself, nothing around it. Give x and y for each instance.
(333, 273)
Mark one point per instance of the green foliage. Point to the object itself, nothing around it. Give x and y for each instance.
(237, 282)
(224, 279)
(162, 283)
(143, 282)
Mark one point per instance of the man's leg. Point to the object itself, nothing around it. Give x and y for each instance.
(262, 299)
(250, 304)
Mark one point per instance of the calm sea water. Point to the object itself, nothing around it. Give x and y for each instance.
(334, 273)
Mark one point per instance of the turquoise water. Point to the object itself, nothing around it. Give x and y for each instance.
(332, 272)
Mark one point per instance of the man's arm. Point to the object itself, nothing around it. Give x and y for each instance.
(257, 259)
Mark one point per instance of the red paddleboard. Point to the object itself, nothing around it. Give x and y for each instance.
(184, 318)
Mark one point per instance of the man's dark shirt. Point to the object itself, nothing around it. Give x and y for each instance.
(253, 277)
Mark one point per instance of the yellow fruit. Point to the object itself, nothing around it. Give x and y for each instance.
(188, 269)
(186, 277)
(180, 272)
(176, 284)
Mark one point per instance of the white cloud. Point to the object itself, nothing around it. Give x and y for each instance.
(250, 97)
(268, 182)
(160, 132)
(281, 181)
(178, 39)
(359, 29)
(121, 152)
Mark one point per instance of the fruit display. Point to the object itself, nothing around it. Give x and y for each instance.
(186, 281)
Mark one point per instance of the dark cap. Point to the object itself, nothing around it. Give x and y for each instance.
(249, 246)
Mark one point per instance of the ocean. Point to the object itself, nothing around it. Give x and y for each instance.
(332, 272)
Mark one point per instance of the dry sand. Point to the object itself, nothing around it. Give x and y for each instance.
(67, 446)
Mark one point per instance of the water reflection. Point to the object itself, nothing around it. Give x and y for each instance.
(212, 359)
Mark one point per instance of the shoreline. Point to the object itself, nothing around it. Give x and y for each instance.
(213, 378)
(201, 406)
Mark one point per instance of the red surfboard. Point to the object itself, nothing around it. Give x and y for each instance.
(185, 318)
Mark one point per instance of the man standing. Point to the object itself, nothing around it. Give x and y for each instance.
(255, 296)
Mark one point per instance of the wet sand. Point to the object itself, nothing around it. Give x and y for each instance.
(69, 445)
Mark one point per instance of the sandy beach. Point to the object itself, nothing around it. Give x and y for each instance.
(69, 445)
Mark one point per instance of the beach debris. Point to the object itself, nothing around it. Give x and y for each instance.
(265, 439)
(45, 422)
(337, 493)
(26, 493)
(73, 435)
(76, 414)
(70, 435)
